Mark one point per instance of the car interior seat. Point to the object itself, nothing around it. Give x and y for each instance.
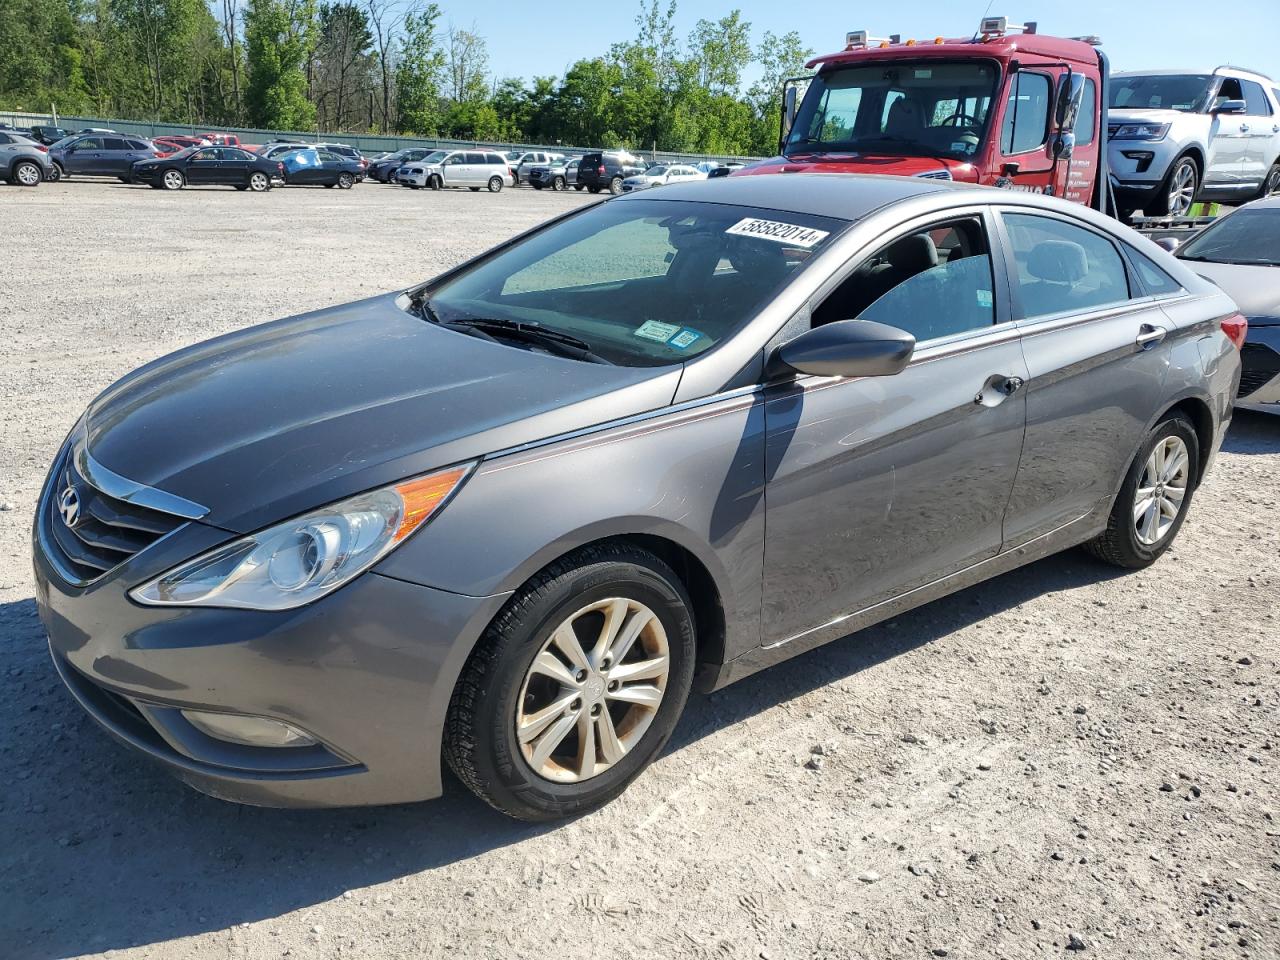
(1056, 266)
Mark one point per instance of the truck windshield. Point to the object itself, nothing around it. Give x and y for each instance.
(934, 108)
(1188, 92)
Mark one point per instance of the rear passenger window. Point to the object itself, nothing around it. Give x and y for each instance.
(934, 283)
(114, 144)
(1026, 113)
(1063, 268)
(477, 158)
(1155, 281)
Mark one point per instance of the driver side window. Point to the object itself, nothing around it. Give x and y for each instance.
(935, 282)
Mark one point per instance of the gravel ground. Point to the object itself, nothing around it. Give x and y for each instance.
(1061, 760)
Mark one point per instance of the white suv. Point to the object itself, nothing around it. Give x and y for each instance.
(1177, 136)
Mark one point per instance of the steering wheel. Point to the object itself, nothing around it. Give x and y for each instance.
(960, 119)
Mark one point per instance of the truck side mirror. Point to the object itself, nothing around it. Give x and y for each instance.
(789, 107)
(1070, 98)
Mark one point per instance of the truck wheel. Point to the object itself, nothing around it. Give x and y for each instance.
(558, 184)
(593, 189)
(615, 186)
(1271, 182)
(26, 173)
(1178, 192)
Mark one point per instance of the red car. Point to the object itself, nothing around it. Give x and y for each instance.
(167, 145)
(222, 139)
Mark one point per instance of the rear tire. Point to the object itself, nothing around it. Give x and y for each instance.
(1271, 182)
(241, 187)
(500, 687)
(346, 181)
(615, 186)
(593, 189)
(26, 173)
(259, 182)
(495, 184)
(1123, 543)
(577, 186)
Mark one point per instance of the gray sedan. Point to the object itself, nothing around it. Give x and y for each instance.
(509, 519)
(1241, 253)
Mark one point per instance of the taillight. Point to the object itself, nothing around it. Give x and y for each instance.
(280, 167)
(601, 171)
(1236, 327)
(42, 149)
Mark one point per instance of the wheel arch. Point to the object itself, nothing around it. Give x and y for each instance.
(1197, 410)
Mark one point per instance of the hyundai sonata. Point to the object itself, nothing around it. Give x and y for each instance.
(511, 517)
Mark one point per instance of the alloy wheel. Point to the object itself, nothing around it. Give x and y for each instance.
(29, 174)
(1271, 186)
(172, 180)
(1182, 189)
(258, 182)
(593, 690)
(1162, 490)
(346, 181)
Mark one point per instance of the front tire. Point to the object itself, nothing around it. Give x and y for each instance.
(1271, 182)
(259, 182)
(1178, 192)
(495, 184)
(1154, 498)
(173, 180)
(27, 173)
(558, 184)
(575, 687)
(615, 186)
(56, 174)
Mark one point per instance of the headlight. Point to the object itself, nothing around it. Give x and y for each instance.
(1141, 131)
(300, 560)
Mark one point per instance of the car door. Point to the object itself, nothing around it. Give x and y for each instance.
(233, 165)
(1025, 161)
(878, 485)
(1096, 358)
(1261, 128)
(454, 170)
(85, 156)
(202, 167)
(1228, 138)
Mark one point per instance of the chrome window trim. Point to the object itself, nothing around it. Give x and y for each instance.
(1061, 321)
(131, 491)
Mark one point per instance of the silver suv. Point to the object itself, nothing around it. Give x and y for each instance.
(22, 161)
(1177, 136)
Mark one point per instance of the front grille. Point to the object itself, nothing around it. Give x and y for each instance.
(103, 532)
(1259, 365)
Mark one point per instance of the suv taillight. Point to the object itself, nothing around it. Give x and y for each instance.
(1236, 327)
(41, 147)
(601, 171)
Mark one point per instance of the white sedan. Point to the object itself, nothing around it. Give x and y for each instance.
(659, 174)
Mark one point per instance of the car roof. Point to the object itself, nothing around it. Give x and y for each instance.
(846, 196)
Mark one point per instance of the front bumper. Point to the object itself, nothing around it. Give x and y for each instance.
(1260, 366)
(1140, 166)
(367, 671)
(405, 178)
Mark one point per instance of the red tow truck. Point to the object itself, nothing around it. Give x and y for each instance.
(1007, 107)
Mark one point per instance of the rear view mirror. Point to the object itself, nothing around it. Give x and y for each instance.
(788, 113)
(1231, 106)
(1070, 98)
(847, 348)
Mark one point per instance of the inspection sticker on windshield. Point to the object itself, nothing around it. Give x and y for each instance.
(789, 233)
(653, 330)
(684, 339)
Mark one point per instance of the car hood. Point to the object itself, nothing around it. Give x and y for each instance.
(276, 419)
(1131, 115)
(855, 162)
(1256, 290)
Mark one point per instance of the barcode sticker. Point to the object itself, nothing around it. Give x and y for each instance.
(791, 234)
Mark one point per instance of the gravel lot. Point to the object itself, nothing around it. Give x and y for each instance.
(1062, 759)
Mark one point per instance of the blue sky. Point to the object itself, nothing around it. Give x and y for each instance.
(530, 39)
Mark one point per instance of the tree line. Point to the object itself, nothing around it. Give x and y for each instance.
(390, 66)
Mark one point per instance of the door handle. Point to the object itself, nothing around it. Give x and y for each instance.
(1244, 128)
(1149, 335)
(997, 389)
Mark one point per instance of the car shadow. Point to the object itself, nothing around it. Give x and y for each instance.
(1253, 432)
(105, 851)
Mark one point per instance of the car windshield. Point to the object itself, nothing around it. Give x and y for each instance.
(435, 157)
(919, 109)
(642, 282)
(1188, 92)
(1246, 236)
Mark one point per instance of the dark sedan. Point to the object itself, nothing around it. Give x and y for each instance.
(320, 168)
(200, 166)
(384, 170)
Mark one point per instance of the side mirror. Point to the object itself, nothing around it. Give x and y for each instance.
(789, 108)
(1070, 98)
(1169, 243)
(1064, 144)
(847, 348)
(1231, 106)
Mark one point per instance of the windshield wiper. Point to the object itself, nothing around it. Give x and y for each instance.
(565, 344)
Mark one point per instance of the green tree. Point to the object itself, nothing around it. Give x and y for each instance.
(722, 50)
(278, 38)
(780, 58)
(420, 73)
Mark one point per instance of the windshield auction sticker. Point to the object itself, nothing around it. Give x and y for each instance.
(791, 234)
(654, 330)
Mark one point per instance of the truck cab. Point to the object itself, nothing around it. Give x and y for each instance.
(1006, 107)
